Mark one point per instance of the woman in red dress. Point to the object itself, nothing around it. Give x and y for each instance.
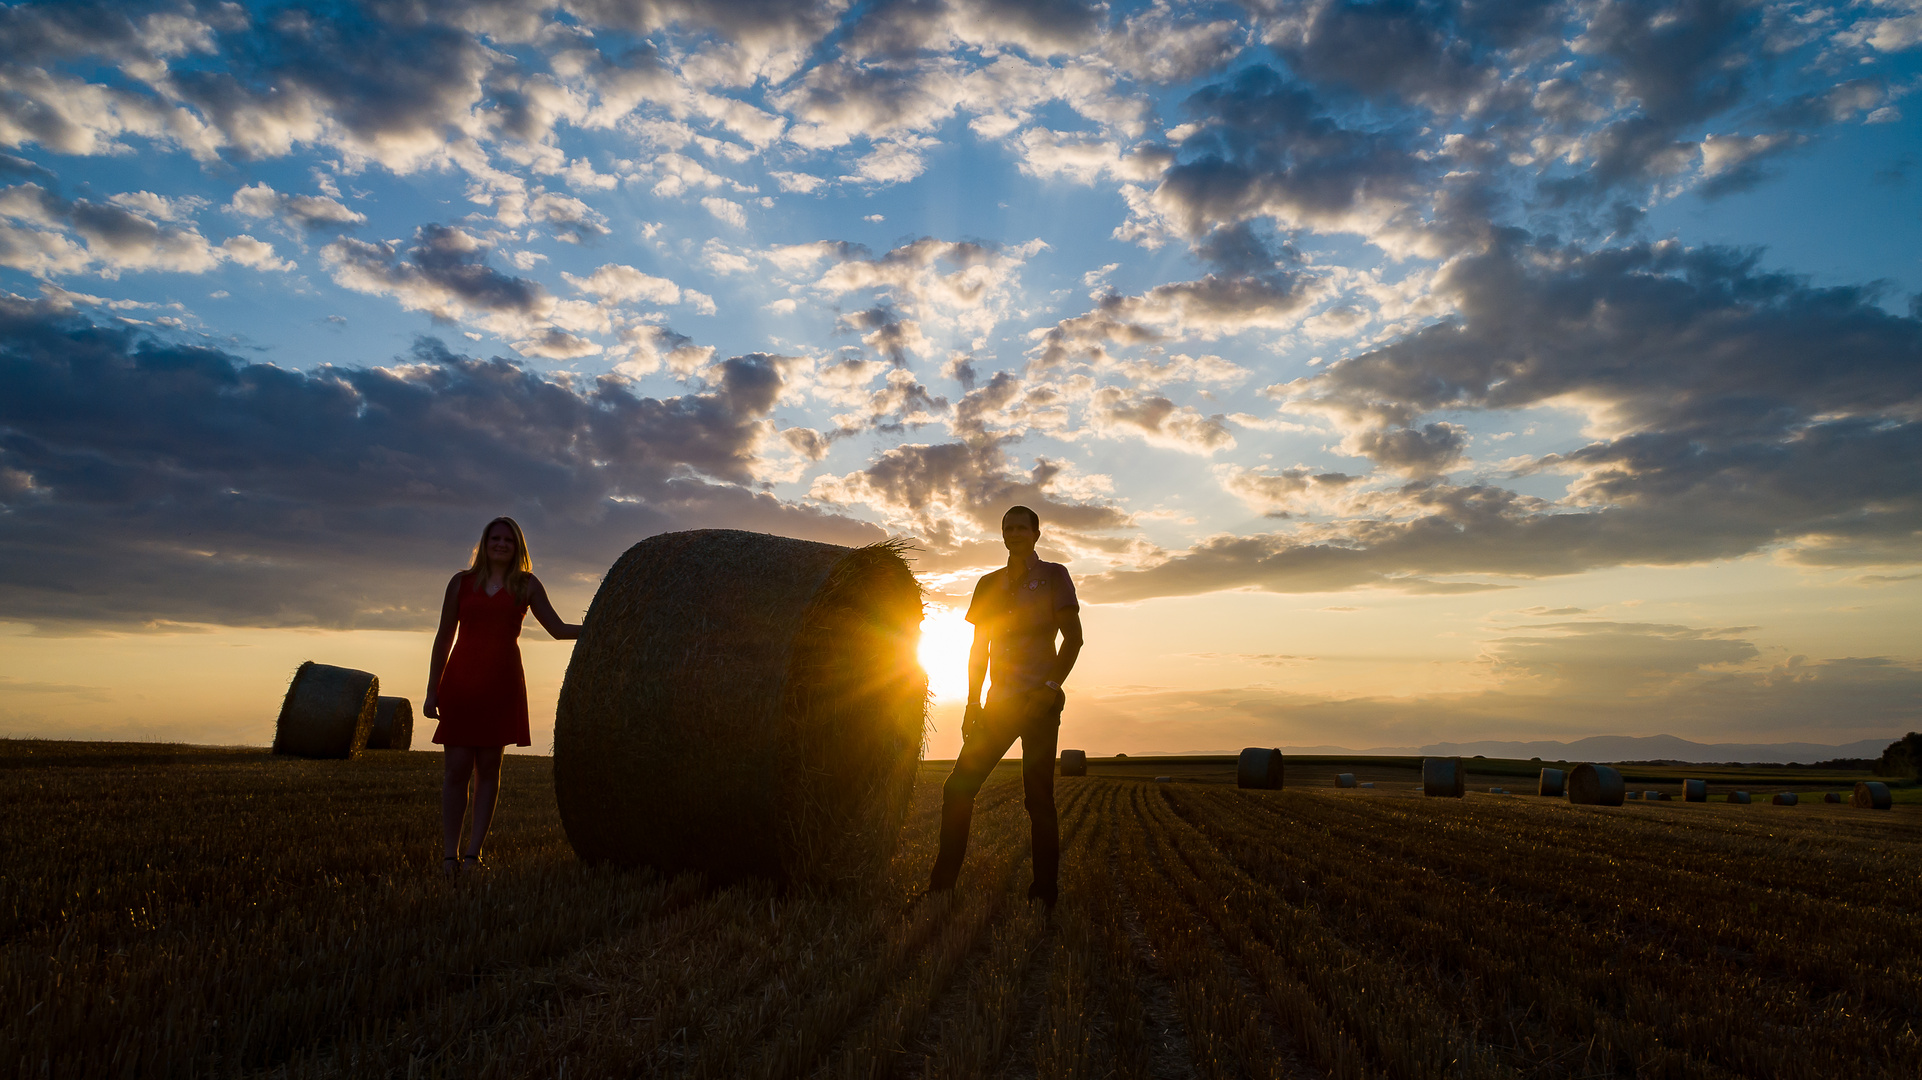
(479, 693)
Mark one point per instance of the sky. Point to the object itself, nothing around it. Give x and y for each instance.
(1383, 373)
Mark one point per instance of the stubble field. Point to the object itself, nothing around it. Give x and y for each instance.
(176, 912)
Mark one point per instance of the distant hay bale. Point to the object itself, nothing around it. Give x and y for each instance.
(1739, 797)
(327, 713)
(1655, 796)
(1785, 798)
(1636, 795)
(1832, 796)
(1550, 783)
(1443, 778)
(393, 724)
(1595, 785)
(1344, 779)
(1366, 783)
(1496, 791)
(1258, 767)
(743, 705)
(1074, 763)
(1871, 795)
(1695, 791)
(1164, 779)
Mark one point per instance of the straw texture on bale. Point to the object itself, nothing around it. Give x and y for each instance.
(1832, 796)
(393, 724)
(1074, 763)
(1444, 778)
(743, 705)
(1550, 783)
(1695, 791)
(327, 713)
(1740, 797)
(1785, 798)
(1871, 795)
(1258, 767)
(1595, 785)
(1345, 779)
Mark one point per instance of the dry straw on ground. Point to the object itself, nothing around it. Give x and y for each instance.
(327, 713)
(1871, 795)
(1345, 779)
(1695, 791)
(1595, 785)
(1443, 777)
(393, 724)
(743, 705)
(1258, 767)
(1074, 763)
(1550, 783)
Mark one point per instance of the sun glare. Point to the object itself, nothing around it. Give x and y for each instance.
(945, 639)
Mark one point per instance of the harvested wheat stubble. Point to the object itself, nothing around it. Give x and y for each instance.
(1695, 791)
(1871, 795)
(1785, 798)
(1074, 763)
(1345, 779)
(1595, 785)
(1258, 767)
(1740, 797)
(1443, 778)
(743, 705)
(327, 713)
(393, 724)
(1550, 783)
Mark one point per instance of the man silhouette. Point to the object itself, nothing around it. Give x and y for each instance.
(1016, 612)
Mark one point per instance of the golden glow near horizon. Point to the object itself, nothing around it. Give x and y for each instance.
(946, 637)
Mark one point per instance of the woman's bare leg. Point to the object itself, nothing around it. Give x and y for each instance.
(487, 791)
(459, 768)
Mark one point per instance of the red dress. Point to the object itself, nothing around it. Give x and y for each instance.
(483, 692)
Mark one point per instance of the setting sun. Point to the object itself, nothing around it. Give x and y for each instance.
(945, 640)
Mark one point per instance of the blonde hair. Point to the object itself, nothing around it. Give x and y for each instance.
(519, 573)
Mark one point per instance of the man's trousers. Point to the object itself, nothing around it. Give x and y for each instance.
(1039, 729)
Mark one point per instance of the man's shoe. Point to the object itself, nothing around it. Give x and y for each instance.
(1046, 894)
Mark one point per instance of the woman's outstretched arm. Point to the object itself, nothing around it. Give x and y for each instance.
(545, 614)
(443, 642)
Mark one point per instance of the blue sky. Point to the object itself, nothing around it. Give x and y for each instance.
(1483, 370)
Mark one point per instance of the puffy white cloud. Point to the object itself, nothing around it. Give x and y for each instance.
(311, 212)
(1115, 412)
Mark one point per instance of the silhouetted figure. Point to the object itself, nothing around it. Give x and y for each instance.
(479, 694)
(1017, 612)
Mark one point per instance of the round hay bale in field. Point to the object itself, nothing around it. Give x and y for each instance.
(743, 705)
(393, 724)
(1443, 778)
(1366, 783)
(1655, 796)
(1739, 797)
(1595, 785)
(1785, 798)
(1695, 791)
(1344, 779)
(1074, 763)
(1258, 767)
(1550, 783)
(1871, 795)
(1164, 779)
(1832, 796)
(1496, 791)
(327, 712)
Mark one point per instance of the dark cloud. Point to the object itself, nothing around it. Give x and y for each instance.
(147, 481)
(443, 272)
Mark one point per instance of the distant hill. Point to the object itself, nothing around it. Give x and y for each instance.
(1620, 748)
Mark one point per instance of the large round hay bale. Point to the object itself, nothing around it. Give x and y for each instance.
(1785, 798)
(1695, 791)
(1740, 797)
(327, 712)
(1444, 777)
(743, 705)
(1258, 768)
(1550, 783)
(1344, 779)
(1595, 785)
(1871, 795)
(1831, 796)
(393, 724)
(1074, 763)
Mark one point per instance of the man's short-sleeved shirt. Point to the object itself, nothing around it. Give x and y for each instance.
(1021, 615)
